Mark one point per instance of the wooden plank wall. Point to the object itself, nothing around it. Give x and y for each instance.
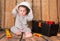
(2, 12)
(59, 13)
(36, 6)
(53, 11)
(42, 10)
(7, 18)
(30, 1)
(45, 10)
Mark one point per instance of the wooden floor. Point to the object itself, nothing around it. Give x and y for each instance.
(34, 38)
(53, 38)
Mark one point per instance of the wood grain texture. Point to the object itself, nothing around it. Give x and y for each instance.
(2, 12)
(53, 10)
(59, 13)
(37, 9)
(9, 19)
(19, 1)
(45, 10)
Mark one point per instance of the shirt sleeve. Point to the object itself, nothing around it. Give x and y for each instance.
(14, 10)
(29, 16)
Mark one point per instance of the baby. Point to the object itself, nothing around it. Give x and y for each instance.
(22, 13)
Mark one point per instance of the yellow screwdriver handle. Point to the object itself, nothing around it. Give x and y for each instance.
(8, 35)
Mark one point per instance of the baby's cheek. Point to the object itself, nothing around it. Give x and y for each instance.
(23, 14)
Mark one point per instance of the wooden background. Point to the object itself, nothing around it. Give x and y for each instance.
(42, 10)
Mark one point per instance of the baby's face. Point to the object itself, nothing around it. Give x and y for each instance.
(22, 11)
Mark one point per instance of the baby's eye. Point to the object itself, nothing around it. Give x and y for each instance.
(20, 10)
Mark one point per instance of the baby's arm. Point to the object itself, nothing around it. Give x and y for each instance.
(14, 11)
(30, 16)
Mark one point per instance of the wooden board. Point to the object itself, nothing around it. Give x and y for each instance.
(55, 38)
(59, 10)
(30, 1)
(9, 19)
(59, 13)
(2, 12)
(53, 10)
(45, 10)
(34, 38)
(36, 9)
(19, 1)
